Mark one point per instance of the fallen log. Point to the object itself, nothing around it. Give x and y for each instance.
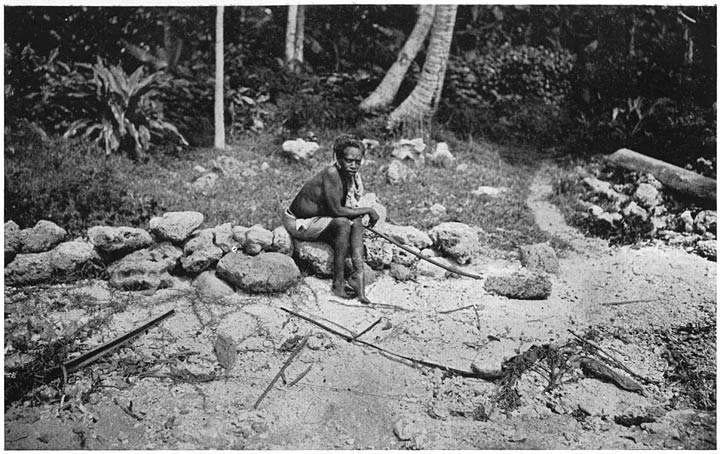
(674, 177)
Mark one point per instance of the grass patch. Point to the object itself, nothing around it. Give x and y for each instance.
(129, 193)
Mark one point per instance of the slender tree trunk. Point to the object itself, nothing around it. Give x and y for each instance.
(300, 35)
(631, 47)
(291, 36)
(688, 44)
(219, 80)
(388, 88)
(419, 105)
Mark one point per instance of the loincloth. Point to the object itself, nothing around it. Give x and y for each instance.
(305, 229)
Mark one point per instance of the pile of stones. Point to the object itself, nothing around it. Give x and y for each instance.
(646, 202)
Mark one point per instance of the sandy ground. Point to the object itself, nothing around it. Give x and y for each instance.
(353, 397)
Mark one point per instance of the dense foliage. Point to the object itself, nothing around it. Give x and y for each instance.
(578, 77)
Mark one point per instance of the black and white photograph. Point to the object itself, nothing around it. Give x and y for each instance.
(359, 226)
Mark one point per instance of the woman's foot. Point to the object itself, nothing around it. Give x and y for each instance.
(339, 290)
(356, 281)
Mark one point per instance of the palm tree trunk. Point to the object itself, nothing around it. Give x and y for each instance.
(291, 36)
(419, 105)
(388, 88)
(300, 34)
(219, 80)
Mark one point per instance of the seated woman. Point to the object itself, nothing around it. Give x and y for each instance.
(326, 209)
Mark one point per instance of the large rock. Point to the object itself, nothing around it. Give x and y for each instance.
(378, 252)
(44, 236)
(607, 220)
(299, 149)
(397, 172)
(403, 257)
(686, 222)
(72, 255)
(539, 257)
(227, 166)
(407, 235)
(647, 195)
(145, 269)
(603, 188)
(438, 209)
(442, 157)
(425, 268)
(282, 241)
(13, 240)
(118, 241)
(239, 235)
(175, 226)
(211, 287)
(707, 248)
(409, 149)
(224, 238)
(269, 272)
(524, 285)
(40, 267)
(204, 183)
(635, 211)
(456, 240)
(317, 255)
(30, 268)
(200, 253)
(257, 239)
(401, 273)
(706, 221)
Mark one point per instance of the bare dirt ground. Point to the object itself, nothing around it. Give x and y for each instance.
(353, 397)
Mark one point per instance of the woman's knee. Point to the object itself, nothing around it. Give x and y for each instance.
(342, 225)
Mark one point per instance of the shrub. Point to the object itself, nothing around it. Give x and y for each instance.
(329, 101)
(65, 182)
(509, 73)
(509, 93)
(120, 112)
(123, 114)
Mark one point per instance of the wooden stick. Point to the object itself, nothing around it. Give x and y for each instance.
(422, 257)
(620, 303)
(69, 367)
(281, 372)
(365, 330)
(114, 344)
(456, 310)
(452, 370)
(301, 376)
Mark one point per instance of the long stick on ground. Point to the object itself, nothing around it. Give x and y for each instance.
(281, 372)
(422, 257)
(452, 370)
(97, 353)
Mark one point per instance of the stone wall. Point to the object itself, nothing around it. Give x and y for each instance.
(221, 259)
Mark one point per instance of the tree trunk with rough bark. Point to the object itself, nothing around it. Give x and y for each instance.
(384, 94)
(418, 108)
(219, 80)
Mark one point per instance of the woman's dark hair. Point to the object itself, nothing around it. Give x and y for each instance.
(346, 141)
